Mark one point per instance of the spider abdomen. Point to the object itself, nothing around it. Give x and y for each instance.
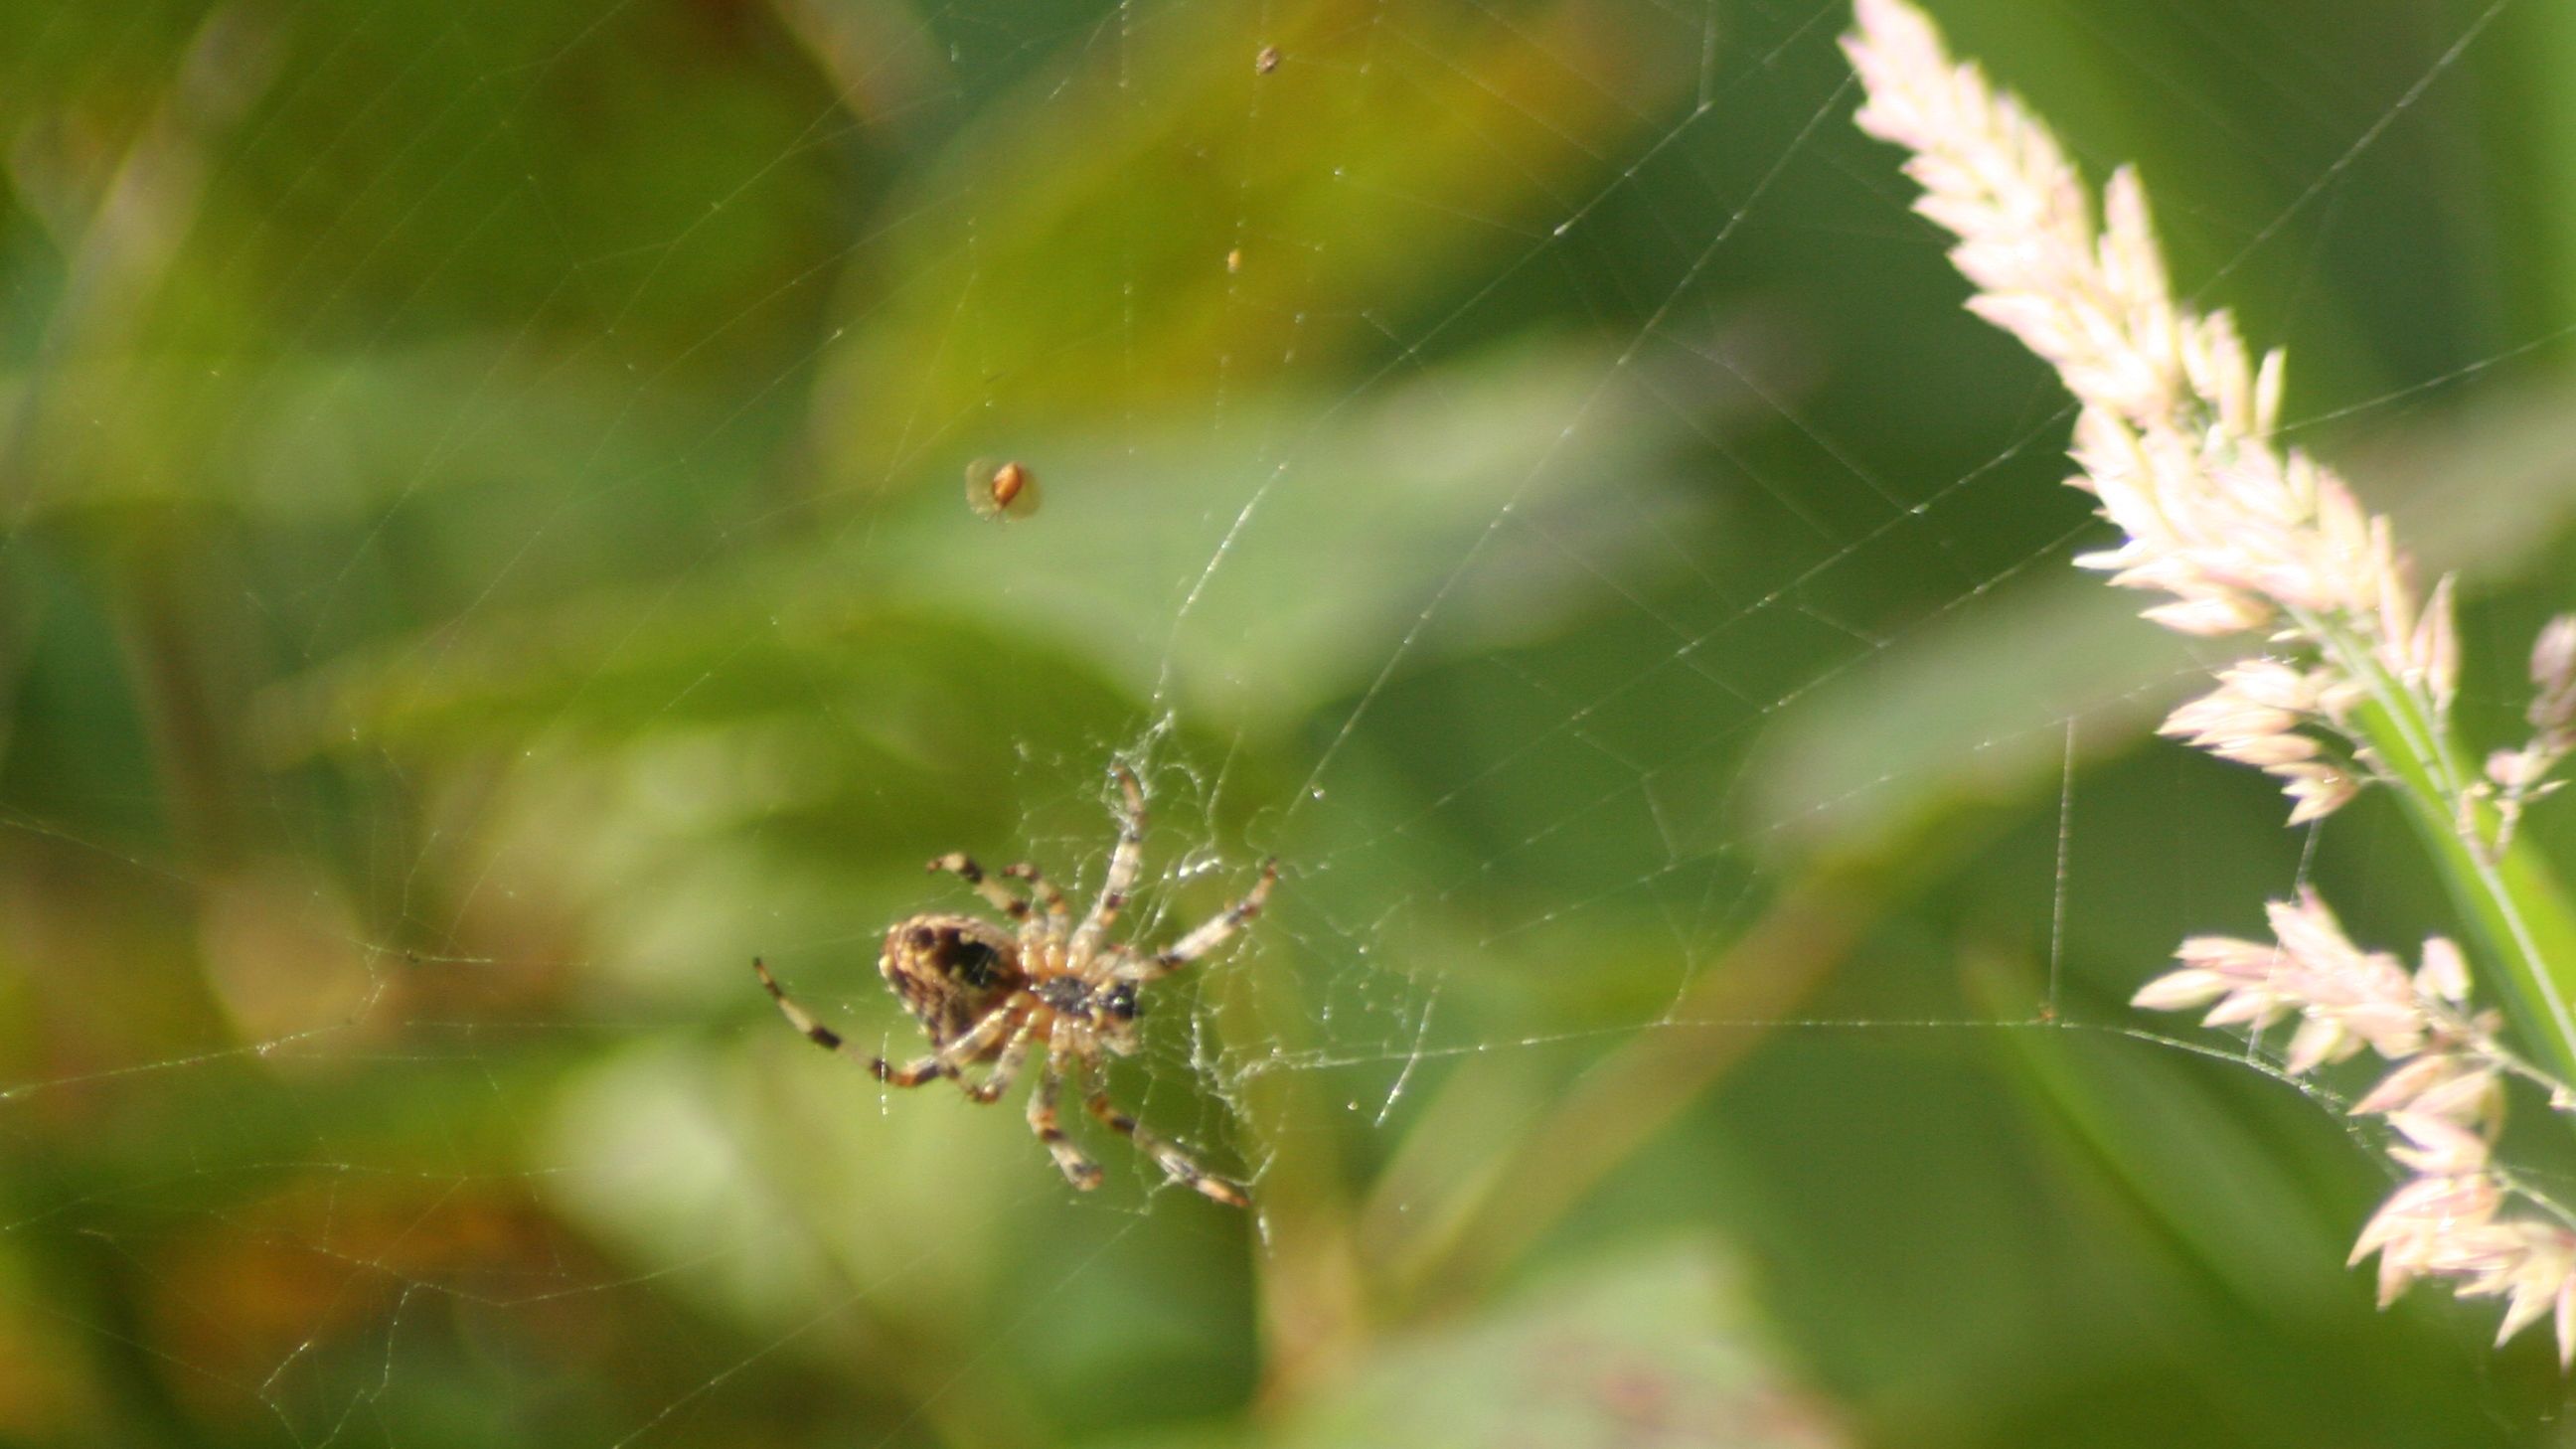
(950, 971)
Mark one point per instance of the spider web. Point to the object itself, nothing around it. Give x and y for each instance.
(489, 551)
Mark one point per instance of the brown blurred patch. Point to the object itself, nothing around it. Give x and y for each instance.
(283, 953)
(334, 1274)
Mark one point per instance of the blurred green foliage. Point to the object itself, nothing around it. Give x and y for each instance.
(484, 555)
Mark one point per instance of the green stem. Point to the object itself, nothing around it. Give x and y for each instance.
(2509, 896)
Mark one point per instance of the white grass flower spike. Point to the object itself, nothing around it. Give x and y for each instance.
(2175, 439)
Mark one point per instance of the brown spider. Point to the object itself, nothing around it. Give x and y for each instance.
(984, 994)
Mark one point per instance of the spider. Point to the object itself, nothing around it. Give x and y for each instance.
(987, 995)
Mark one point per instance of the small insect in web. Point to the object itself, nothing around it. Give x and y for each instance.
(1001, 490)
(1048, 987)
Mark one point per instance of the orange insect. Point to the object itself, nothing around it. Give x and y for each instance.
(1001, 490)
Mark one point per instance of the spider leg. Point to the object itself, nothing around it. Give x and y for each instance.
(830, 1040)
(1048, 896)
(1006, 1068)
(1079, 1170)
(1124, 861)
(963, 866)
(1209, 934)
(998, 1024)
(1179, 1165)
(941, 1063)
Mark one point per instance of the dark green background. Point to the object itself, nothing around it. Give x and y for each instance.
(482, 554)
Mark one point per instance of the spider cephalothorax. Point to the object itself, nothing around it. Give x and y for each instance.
(984, 995)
